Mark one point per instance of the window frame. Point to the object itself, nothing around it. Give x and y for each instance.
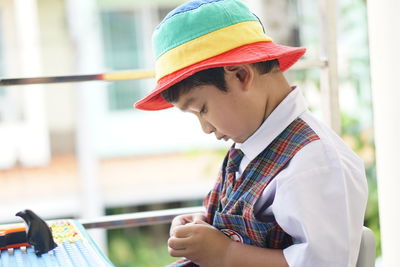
(134, 132)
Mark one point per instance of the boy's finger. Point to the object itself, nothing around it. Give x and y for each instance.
(179, 231)
(176, 253)
(179, 221)
(178, 243)
(182, 231)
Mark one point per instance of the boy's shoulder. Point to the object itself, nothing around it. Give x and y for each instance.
(328, 151)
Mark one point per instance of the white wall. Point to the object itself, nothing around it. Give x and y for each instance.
(57, 59)
(24, 136)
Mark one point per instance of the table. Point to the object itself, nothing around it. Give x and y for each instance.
(74, 248)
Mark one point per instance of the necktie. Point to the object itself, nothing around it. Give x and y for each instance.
(235, 156)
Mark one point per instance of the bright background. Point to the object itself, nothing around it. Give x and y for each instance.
(80, 150)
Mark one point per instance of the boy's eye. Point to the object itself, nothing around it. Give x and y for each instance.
(203, 109)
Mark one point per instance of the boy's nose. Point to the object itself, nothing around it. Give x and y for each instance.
(206, 126)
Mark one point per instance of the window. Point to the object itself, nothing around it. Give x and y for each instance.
(122, 51)
(126, 41)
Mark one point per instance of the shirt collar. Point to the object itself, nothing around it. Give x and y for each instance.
(291, 107)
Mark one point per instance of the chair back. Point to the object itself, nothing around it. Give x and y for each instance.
(366, 256)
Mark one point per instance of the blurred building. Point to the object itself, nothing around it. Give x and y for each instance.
(41, 125)
(64, 144)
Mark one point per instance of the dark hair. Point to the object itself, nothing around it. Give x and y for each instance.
(212, 76)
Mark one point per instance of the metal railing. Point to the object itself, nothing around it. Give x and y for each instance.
(137, 218)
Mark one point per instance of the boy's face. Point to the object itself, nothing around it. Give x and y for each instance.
(229, 115)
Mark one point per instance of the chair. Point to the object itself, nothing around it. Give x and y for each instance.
(366, 256)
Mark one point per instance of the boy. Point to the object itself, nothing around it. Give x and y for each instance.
(289, 193)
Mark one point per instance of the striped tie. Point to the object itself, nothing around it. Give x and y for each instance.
(235, 156)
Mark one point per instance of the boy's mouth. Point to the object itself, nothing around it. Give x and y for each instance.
(226, 138)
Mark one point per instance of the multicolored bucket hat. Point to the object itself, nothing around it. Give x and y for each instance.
(202, 34)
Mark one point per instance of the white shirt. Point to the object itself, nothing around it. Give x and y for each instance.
(319, 198)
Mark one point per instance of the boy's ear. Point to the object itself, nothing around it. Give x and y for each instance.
(244, 73)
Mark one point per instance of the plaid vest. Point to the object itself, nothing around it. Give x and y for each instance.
(236, 216)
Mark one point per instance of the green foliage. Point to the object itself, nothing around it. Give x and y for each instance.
(139, 247)
(372, 213)
(357, 124)
(361, 141)
(142, 246)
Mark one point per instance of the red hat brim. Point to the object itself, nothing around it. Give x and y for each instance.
(246, 54)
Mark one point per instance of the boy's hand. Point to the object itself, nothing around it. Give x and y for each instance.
(201, 243)
(185, 219)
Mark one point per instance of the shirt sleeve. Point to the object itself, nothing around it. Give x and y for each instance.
(320, 201)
